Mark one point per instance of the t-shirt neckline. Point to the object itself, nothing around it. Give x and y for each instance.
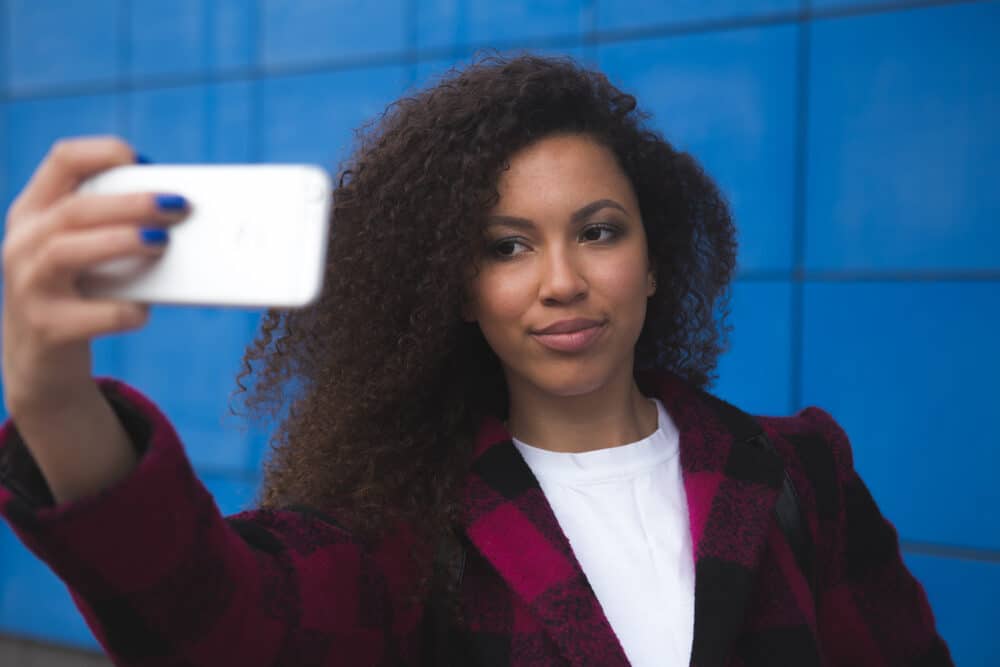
(609, 463)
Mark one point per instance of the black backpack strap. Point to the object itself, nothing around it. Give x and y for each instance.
(792, 522)
(787, 508)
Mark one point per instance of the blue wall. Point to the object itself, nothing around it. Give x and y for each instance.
(857, 142)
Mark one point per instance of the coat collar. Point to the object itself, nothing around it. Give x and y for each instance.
(731, 489)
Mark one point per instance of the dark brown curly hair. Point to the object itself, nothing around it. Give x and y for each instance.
(378, 387)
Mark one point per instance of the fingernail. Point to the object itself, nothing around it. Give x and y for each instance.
(171, 202)
(153, 235)
(142, 159)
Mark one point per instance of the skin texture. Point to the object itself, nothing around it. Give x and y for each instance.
(545, 266)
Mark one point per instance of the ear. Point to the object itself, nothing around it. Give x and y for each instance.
(650, 283)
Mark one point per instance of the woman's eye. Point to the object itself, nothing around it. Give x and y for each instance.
(508, 248)
(599, 233)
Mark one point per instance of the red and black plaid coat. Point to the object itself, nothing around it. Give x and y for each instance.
(163, 579)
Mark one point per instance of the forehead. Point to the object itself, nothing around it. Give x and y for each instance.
(563, 169)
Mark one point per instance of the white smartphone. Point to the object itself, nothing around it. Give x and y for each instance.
(255, 236)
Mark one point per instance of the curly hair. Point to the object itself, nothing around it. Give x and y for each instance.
(378, 386)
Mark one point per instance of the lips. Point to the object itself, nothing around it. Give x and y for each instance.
(569, 326)
(570, 335)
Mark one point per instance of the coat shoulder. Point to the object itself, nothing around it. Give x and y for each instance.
(816, 451)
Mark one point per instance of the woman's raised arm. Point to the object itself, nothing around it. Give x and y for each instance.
(53, 234)
(95, 481)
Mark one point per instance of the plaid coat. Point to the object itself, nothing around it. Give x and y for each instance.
(163, 579)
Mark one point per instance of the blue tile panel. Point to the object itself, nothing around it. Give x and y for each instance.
(755, 373)
(904, 141)
(166, 38)
(4, 50)
(909, 370)
(644, 14)
(311, 117)
(168, 124)
(33, 125)
(33, 601)
(429, 72)
(5, 194)
(194, 395)
(963, 594)
(63, 43)
(197, 123)
(729, 99)
(821, 6)
(311, 31)
(190, 37)
(229, 127)
(447, 23)
(234, 31)
(232, 493)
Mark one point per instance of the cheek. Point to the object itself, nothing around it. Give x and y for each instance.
(623, 281)
(501, 298)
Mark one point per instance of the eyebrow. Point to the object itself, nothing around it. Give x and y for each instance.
(576, 218)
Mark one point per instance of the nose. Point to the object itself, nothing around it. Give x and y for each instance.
(562, 281)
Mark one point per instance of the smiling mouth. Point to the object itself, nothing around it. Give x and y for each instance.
(571, 341)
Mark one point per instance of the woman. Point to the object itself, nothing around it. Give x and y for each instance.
(496, 450)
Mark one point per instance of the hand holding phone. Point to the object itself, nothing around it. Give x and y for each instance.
(53, 234)
(254, 236)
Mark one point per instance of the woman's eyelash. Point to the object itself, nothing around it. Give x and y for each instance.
(612, 230)
(495, 246)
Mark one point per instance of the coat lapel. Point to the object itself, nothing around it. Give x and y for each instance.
(512, 525)
(731, 489)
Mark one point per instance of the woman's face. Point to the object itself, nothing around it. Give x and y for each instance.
(561, 290)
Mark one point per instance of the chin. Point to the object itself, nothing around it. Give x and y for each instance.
(567, 382)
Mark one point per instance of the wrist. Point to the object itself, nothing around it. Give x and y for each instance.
(64, 402)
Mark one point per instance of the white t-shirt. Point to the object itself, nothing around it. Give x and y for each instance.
(625, 513)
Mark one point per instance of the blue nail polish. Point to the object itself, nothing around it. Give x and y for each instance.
(171, 202)
(153, 236)
(142, 159)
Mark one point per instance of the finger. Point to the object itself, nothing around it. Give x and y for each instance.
(72, 320)
(88, 210)
(70, 253)
(85, 210)
(67, 164)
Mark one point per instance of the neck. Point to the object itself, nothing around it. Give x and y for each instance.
(615, 414)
